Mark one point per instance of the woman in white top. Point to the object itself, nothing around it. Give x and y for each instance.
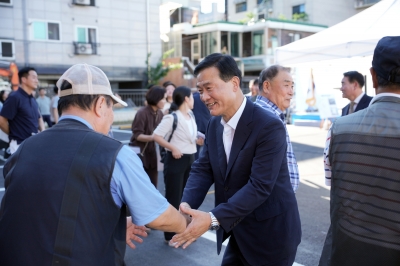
(181, 148)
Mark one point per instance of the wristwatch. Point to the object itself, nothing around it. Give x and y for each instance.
(214, 222)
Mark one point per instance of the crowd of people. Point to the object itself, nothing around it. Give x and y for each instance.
(81, 206)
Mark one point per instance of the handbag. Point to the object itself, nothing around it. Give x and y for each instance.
(163, 151)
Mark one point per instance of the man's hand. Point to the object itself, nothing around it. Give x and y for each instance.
(132, 232)
(188, 218)
(201, 221)
(200, 141)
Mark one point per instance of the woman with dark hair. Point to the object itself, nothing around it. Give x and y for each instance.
(169, 88)
(146, 120)
(4, 95)
(180, 149)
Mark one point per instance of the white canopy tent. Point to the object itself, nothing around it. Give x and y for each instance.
(354, 37)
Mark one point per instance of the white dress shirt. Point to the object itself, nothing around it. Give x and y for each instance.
(357, 100)
(230, 127)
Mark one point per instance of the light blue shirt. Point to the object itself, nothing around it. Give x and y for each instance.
(131, 185)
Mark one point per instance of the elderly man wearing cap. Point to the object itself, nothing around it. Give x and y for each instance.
(362, 165)
(67, 188)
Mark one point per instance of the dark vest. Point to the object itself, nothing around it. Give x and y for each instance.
(35, 181)
(365, 190)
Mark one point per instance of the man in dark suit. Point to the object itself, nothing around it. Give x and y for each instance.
(244, 157)
(202, 116)
(352, 84)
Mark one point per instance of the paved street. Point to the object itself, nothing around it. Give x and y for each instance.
(312, 196)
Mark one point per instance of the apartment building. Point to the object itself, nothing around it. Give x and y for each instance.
(52, 35)
(323, 12)
(252, 39)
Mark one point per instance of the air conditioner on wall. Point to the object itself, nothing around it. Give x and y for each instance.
(82, 2)
(84, 48)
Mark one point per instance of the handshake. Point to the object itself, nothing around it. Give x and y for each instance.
(189, 224)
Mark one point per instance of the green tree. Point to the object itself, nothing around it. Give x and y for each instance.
(249, 16)
(155, 74)
(300, 16)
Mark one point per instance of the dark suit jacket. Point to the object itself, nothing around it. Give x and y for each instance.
(253, 196)
(201, 113)
(364, 103)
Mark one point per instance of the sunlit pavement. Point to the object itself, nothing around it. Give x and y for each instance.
(312, 197)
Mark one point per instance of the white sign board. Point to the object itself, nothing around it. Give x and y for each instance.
(327, 106)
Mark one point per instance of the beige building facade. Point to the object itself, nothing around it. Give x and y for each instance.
(52, 35)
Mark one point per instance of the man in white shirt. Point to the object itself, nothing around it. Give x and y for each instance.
(244, 156)
(352, 84)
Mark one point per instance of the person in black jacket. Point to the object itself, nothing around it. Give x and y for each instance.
(352, 84)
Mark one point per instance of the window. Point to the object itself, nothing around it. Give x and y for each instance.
(241, 7)
(235, 44)
(86, 40)
(43, 30)
(299, 9)
(6, 49)
(5, 2)
(86, 34)
(258, 43)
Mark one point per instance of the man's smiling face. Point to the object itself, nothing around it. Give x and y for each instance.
(216, 94)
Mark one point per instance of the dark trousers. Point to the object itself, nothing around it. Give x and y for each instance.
(46, 118)
(153, 174)
(234, 257)
(176, 173)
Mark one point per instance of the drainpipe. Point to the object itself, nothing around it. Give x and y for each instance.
(148, 30)
(25, 29)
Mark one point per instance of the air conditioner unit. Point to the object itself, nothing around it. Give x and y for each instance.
(82, 2)
(84, 48)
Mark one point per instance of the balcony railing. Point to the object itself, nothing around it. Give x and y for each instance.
(84, 48)
(133, 97)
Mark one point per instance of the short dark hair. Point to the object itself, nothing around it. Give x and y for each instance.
(384, 83)
(83, 101)
(270, 73)
(226, 65)
(168, 83)
(55, 89)
(24, 72)
(355, 76)
(255, 82)
(41, 88)
(179, 95)
(154, 95)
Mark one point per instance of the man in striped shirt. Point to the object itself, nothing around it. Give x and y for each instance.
(276, 91)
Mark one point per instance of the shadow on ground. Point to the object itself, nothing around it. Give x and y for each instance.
(305, 152)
